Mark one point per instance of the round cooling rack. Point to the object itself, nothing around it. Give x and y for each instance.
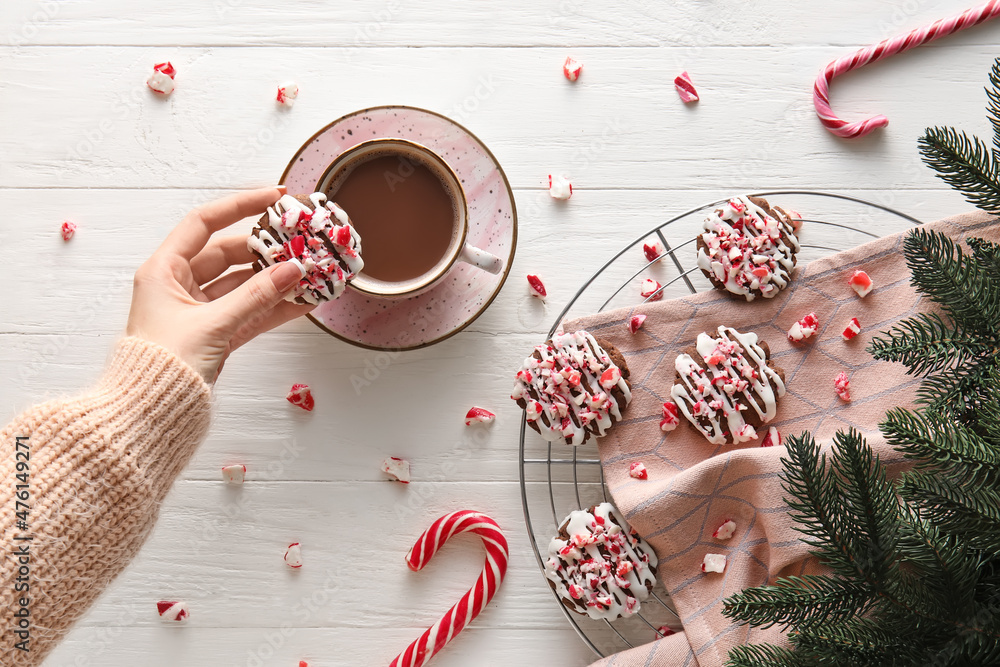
(557, 479)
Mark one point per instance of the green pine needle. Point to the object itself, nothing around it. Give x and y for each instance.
(965, 163)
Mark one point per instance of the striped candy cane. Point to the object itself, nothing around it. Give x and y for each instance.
(474, 601)
(884, 49)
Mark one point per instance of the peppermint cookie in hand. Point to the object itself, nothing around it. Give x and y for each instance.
(573, 387)
(748, 248)
(598, 565)
(315, 234)
(726, 386)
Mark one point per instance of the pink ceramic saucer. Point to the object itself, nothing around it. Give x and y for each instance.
(465, 292)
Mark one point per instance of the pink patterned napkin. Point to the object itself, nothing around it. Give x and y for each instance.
(694, 486)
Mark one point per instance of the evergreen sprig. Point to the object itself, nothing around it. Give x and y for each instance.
(966, 163)
(914, 561)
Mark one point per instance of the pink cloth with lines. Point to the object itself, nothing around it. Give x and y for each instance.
(694, 486)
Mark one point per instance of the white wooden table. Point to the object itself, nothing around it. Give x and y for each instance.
(81, 138)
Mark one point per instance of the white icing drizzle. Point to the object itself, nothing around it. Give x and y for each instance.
(733, 376)
(329, 250)
(604, 568)
(563, 389)
(746, 248)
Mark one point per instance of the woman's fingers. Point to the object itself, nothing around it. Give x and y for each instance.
(226, 284)
(220, 254)
(252, 302)
(194, 231)
(283, 312)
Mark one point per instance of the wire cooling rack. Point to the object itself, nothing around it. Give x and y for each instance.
(557, 479)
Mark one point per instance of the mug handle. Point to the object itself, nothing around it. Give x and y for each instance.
(480, 259)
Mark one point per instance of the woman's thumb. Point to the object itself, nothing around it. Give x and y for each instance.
(255, 298)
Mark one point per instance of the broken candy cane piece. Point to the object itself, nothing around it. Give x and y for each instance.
(852, 330)
(67, 229)
(234, 474)
(397, 468)
(804, 328)
(638, 470)
(670, 417)
(170, 610)
(161, 81)
(536, 287)
(301, 395)
(287, 92)
(635, 322)
(572, 69)
(303, 663)
(685, 88)
(560, 187)
(611, 377)
(475, 600)
(796, 219)
(861, 283)
(649, 289)
(725, 531)
(714, 563)
(745, 433)
(479, 416)
(293, 555)
(772, 439)
(653, 251)
(842, 385)
(664, 631)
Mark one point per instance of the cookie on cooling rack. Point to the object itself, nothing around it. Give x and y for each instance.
(573, 387)
(598, 565)
(748, 248)
(726, 386)
(317, 235)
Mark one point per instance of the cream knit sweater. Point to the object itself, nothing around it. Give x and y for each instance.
(97, 468)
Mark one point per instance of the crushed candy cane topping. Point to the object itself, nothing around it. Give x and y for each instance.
(725, 531)
(772, 438)
(653, 251)
(671, 419)
(853, 329)
(320, 239)
(747, 250)
(477, 415)
(842, 386)
(397, 468)
(635, 322)
(566, 387)
(651, 290)
(804, 328)
(638, 470)
(685, 88)
(536, 286)
(560, 187)
(861, 283)
(170, 610)
(604, 569)
(731, 376)
(293, 556)
(234, 474)
(287, 93)
(572, 69)
(301, 395)
(714, 563)
(161, 81)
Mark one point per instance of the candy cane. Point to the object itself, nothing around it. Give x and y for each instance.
(884, 49)
(474, 601)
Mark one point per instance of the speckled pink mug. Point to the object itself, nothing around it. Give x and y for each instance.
(458, 250)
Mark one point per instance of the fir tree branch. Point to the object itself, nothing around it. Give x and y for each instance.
(926, 344)
(940, 270)
(956, 507)
(803, 602)
(963, 163)
(993, 108)
(931, 442)
(764, 655)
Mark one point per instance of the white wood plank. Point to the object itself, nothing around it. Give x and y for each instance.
(355, 24)
(166, 646)
(621, 127)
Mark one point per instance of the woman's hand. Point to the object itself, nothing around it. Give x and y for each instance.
(180, 301)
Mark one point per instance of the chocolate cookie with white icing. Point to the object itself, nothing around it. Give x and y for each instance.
(598, 565)
(317, 235)
(748, 248)
(573, 387)
(726, 386)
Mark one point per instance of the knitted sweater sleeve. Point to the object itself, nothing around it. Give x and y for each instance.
(86, 476)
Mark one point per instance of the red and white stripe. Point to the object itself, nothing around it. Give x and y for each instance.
(476, 599)
(884, 49)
